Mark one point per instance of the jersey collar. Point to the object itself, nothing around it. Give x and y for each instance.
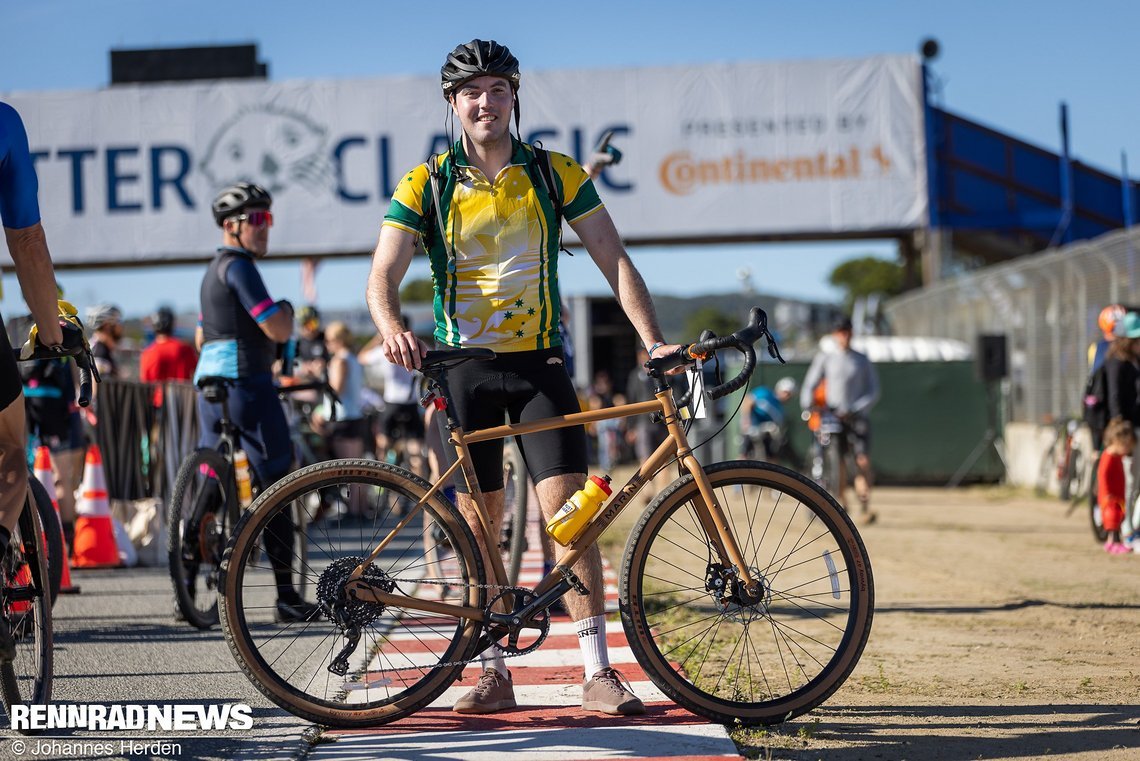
(235, 250)
(518, 155)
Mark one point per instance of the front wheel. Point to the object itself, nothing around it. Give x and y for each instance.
(26, 610)
(53, 534)
(716, 650)
(200, 526)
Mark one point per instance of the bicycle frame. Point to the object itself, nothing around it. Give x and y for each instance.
(561, 580)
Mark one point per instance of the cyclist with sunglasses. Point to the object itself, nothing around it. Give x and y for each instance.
(492, 240)
(239, 328)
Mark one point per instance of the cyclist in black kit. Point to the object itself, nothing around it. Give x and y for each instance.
(238, 333)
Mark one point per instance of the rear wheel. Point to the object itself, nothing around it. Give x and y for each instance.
(712, 647)
(200, 526)
(402, 658)
(26, 611)
(832, 467)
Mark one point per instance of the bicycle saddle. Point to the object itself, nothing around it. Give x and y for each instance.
(448, 358)
(215, 387)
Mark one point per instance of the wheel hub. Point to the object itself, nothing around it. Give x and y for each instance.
(733, 599)
(337, 607)
(208, 537)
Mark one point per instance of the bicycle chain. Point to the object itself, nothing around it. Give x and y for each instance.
(495, 645)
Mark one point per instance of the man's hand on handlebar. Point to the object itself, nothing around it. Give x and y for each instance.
(664, 350)
(405, 350)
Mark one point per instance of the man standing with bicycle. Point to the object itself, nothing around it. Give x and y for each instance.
(20, 215)
(852, 389)
(490, 220)
(238, 332)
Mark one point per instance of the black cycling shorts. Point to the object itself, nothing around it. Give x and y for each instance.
(521, 387)
(856, 439)
(11, 385)
(402, 421)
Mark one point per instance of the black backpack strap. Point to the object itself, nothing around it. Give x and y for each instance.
(435, 177)
(546, 175)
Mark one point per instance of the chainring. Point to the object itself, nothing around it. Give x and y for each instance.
(523, 597)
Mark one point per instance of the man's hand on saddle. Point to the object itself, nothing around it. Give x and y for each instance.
(405, 350)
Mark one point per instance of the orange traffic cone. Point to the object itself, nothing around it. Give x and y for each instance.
(94, 536)
(43, 472)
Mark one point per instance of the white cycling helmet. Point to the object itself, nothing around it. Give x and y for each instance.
(785, 385)
(103, 314)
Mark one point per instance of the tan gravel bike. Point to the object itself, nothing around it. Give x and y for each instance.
(745, 590)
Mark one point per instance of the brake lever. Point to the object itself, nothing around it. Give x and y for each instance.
(773, 349)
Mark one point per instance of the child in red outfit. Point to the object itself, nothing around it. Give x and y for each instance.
(1119, 440)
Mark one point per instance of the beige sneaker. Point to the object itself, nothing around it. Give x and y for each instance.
(609, 692)
(493, 692)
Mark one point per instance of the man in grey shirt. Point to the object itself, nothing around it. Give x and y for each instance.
(852, 389)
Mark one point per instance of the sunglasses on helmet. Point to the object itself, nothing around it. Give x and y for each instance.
(256, 218)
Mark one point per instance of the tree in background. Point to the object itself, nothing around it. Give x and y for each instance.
(417, 291)
(710, 318)
(867, 276)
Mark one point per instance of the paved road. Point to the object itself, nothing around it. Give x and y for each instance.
(117, 643)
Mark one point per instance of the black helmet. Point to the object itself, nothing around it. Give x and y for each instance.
(237, 198)
(475, 59)
(163, 321)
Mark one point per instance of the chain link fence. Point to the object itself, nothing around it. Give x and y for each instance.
(1045, 304)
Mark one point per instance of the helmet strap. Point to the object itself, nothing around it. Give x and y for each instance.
(518, 130)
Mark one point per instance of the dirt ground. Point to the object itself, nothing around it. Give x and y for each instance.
(1001, 631)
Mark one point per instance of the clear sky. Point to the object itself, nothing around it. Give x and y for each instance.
(1005, 63)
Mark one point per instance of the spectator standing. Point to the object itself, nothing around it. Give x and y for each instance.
(1120, 440)
(312, 351)
(167, 358)
(1121, 377)
(106, 323)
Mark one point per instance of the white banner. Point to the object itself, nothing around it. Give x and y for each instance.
(715, 151)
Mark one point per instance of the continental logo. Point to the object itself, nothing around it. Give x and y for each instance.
(682, 173)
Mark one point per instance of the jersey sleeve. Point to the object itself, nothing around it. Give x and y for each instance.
(406, 211)
(579, 196)
(242, 276)
(19, 206)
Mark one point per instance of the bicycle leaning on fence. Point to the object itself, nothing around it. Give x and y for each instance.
(746, 592)
(30, 568)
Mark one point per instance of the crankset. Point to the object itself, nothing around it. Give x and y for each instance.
(532, 630)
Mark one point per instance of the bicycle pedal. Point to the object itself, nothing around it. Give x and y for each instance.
(575, 583)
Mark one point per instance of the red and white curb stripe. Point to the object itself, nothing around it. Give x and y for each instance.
(549, 722)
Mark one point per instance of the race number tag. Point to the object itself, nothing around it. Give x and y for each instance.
(699, 411)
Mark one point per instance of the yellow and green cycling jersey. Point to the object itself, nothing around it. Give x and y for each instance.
(501, 289)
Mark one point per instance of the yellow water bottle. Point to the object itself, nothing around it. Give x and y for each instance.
(573, 516)
(241, 475)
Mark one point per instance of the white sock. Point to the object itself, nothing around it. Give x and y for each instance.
(493, 659)
(592, 640)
